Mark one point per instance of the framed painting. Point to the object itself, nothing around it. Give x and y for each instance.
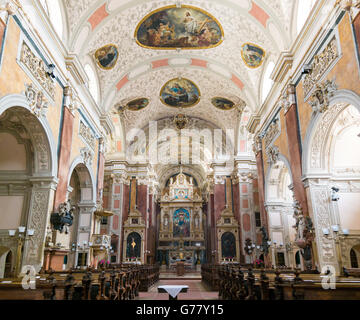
(252, 55)
(222, 103)
(180, 93)
(184, 27)
(181, 223)
(107, 56)
(137, 104)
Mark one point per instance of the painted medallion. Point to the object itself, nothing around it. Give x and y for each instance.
(186, 27)
(180, 92)
(252, 55)
(107, 56)
(137, 104)
(222, 103)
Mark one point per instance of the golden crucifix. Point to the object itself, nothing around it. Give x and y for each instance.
(133, 244)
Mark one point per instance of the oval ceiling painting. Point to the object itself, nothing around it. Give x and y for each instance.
(222, 103)
(107, 56)
(252, 55)
(137, 104)
(186, 27)
(180, 92)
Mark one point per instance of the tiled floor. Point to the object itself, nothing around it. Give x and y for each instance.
(196, 291)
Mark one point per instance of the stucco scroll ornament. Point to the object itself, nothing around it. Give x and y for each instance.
(304, 234)
(36, 100)
(70, 99)
(240, 106)
(8, 7)
(257, 145)
(272, 132)
(87, 156)
(348, 4)
(273, 154)
(320, 99)
(287, 98)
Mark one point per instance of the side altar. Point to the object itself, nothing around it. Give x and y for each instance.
(181, 235)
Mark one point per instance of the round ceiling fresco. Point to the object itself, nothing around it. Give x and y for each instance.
(107, 56)
(222, 103)
(186, 27)
(180, 92)
(252, 55)
(137, 104)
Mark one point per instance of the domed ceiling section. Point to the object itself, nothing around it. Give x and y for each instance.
(222, 46)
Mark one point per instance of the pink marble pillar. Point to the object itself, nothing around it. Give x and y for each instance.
(64, 157)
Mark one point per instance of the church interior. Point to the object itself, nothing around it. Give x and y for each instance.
(208, 146)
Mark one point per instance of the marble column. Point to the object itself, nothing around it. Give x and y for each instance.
(65, 148)
(294, 145)
(261, 181)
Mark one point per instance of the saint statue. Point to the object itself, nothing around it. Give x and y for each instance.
(197, 221)
(166, 222)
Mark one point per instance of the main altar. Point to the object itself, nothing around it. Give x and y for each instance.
(181, 234)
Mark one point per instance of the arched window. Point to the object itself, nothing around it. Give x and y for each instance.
(267, 82)
(353, 259)
(55, 17)
(304, 9)
(93, 87)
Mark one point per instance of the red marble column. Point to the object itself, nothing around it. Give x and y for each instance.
(125, 215)
(141, 200)
(356, 24)
(292, 133)
(101, 170)
(261, 189)
(64, 157)
(237, 213)
(219, 200)
(2, 34)
(219, 206)
(212, 228)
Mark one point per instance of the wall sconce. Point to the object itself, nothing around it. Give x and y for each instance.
(21, 229)
(335, 228)
(346, 232)
(30, 232)
(12, 233)
(325, 231)
(334, 194)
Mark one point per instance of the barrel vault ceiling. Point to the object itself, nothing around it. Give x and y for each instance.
(142, 72)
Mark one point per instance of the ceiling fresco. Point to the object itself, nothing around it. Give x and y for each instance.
(172, 27)
(180, 93)
(222, 46)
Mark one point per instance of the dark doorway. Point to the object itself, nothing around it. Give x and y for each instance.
(8, 265)
(353, 259)
(281, 259)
